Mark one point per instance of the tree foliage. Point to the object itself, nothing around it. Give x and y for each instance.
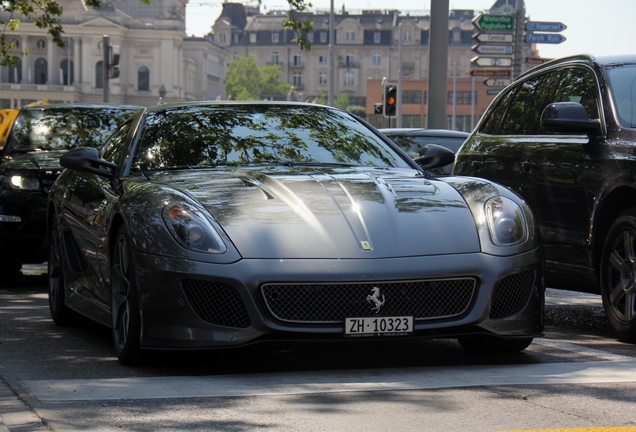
(46, 14)
(246, 80)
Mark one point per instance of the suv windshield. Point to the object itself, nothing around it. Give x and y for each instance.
(623, 84)
(64, 128)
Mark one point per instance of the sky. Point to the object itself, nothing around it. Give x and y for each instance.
(599, 27)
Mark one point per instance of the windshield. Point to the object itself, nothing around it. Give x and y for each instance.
(209, 136)
(64, 128)
(623, 84)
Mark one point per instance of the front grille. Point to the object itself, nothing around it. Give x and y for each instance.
(512, 294)
(215, 303)
(333, 302)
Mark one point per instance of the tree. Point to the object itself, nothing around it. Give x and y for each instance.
(246, 80)
(46, 14)
(342, 101)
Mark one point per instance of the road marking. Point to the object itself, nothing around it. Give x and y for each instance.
(331, 381)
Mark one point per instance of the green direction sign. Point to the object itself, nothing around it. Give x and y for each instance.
(488, 22)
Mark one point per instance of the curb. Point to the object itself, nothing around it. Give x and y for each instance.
(15, 414)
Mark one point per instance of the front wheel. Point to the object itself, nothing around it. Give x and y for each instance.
(618, 276)
(125, 312)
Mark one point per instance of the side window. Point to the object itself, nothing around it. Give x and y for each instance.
(115, 146)
(524, 115)
(491, 126)
(578, 85)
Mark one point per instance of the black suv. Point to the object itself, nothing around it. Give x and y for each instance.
(30, 164)
(563, 136)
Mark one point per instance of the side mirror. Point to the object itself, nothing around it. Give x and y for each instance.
(569, 117)
(434, 156)
(87, 159)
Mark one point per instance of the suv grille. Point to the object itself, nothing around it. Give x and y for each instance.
(216, 303)
(333, 302)
(512, 294)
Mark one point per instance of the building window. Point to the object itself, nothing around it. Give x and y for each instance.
(297, 80)
(41, 71)
(143, 79)
(15, 73)
(310, 37)
(377, 57)
(99, 74)
(322, 78)
(350, 37)
(67, 78)
(297, 59)
(323, 37)
(222, 38)
(16, 43)
(236, 38)
(377, 37)
(456, 36)
(323, 59)
(41, 44)
(252, 37)
(411, 121)
(275, 58)
(275, 37)
(348, 78)
(461, 97)
(412, 97)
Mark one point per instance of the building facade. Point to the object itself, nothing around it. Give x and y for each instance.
(155, 55)
(370, 46)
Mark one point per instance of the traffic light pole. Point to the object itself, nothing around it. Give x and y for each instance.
(105, 66)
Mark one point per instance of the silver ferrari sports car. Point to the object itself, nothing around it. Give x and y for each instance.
(223, 224)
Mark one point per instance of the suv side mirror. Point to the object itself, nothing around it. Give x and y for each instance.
(434, 156)
(569, 117)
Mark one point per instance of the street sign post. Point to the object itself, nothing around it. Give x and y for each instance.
(488, 22)
(493, 49)
(493, 37)
(539, 26)
(490, 72)
(492, 61)
(550, 38)
(498, 82)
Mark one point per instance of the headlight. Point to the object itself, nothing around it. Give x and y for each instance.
(506, 221)
(191, 230)
(24, 183)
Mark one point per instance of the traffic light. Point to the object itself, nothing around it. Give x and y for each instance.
(113, 62)
(390, 100)
(378, 108)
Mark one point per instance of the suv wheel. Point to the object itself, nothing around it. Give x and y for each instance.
(618, 275)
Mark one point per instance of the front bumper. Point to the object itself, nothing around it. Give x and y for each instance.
(230, 308)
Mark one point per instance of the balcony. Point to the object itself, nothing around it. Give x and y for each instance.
(349, 64)
(297, 64)
(408, 66)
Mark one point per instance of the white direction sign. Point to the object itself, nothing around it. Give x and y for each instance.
(498, 82)
(493, 49)
(494, 37)
(492, 61)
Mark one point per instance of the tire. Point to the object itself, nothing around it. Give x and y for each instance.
(489, 345)
(60, 313)
(125, 312)
(618, 276)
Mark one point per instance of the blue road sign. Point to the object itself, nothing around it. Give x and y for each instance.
(545, 26)
(550, 38)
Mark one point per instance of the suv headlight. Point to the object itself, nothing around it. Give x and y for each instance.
(22, 182)
(192, 230)
(506, 222)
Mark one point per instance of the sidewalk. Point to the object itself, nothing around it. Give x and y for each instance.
(15, 415)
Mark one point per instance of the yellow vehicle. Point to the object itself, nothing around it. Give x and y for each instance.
(7, 116)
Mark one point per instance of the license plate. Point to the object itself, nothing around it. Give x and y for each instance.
(378, 326)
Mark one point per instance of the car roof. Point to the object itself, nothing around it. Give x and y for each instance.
(424, 132)
(72, 105)
(601, 60)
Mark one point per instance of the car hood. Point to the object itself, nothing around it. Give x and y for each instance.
(41, 160)
(333, 213)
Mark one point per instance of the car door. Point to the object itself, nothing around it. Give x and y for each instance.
(88, 202)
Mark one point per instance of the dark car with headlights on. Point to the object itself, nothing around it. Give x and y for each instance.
(29, 165)
(223, 224)
(563, 136)
(414, 140)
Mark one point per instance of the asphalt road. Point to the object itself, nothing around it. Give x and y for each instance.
(67, 380)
